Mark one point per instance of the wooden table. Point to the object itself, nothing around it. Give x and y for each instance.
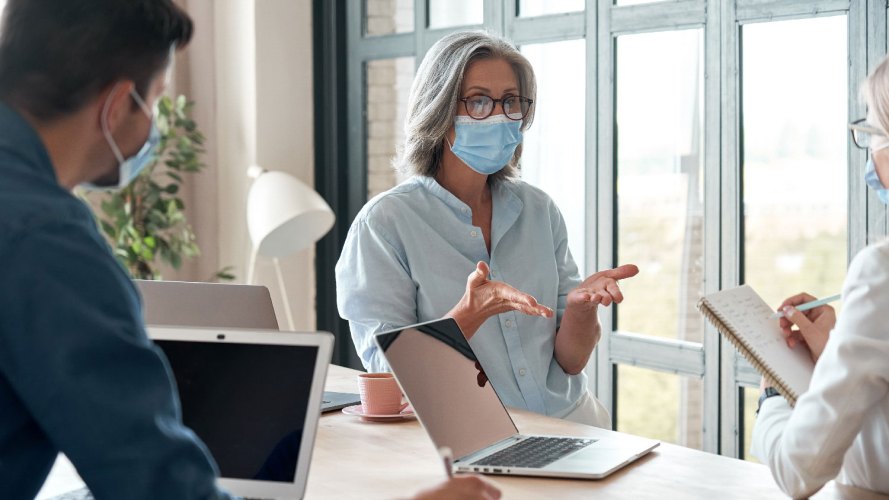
(357, 459)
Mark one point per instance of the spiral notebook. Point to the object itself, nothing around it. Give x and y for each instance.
(744, 318)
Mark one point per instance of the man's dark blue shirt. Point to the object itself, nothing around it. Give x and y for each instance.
(77, 372)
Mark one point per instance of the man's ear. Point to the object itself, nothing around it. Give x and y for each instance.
(113, 104)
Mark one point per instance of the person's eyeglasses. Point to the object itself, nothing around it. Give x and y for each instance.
(481, 106)
(862, 133)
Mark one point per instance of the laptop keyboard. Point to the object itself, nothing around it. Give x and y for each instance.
(535, 452)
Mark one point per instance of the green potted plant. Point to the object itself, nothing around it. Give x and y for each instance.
(145, 221)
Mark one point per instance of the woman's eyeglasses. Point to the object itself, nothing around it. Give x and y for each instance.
(481, 106)
(862, 133)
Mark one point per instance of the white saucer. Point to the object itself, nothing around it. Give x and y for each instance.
(358, 411)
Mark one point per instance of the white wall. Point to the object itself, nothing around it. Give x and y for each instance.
(285, 129)
(249, 69)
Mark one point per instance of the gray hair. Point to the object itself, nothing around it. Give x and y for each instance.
(876, 94)
(432, 104)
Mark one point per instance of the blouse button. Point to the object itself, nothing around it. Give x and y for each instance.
(474, 234)
(522, 372)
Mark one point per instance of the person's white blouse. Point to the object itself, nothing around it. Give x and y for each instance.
(841, 424)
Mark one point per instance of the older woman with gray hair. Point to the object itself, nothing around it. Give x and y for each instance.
(841, 424)
(529, 317)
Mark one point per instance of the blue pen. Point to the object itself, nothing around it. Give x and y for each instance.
(810, 305)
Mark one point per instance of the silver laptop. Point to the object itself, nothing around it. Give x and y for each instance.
(220, 305)
(436, 368)
(252, 398)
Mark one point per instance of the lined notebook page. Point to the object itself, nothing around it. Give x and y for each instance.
(749, 318)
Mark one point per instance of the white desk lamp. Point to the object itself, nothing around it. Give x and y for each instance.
(284, 216)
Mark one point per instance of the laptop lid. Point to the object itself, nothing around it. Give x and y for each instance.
(440, 377)
(252, 397)
(207, 304)
(219, 305)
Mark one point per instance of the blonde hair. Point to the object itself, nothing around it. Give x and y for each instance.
(876, 95)
(432, 104)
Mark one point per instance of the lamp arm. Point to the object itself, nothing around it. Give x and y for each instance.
(284, 296)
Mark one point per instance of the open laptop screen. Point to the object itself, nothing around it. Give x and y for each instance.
(247, 402)
(440, 376)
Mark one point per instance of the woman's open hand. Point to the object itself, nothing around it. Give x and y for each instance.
(600, 288)
(484, 298)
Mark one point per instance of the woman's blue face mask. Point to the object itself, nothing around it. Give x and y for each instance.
(873, 181)
(486, 146)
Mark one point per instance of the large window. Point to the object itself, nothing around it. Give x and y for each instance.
(704, 141)
(388, 82)
(794, 169)
(554, 145)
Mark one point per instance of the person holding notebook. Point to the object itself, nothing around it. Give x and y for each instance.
(527, 313)
(841, 424)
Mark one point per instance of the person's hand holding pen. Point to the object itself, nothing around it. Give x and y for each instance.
(468, 487)
(811, 327)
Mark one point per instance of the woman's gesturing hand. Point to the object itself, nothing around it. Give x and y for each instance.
(484, 298)
(600, 288)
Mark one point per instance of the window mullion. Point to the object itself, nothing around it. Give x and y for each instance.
(712, 221)
(604, 243)
(772, 10)
(730, 189)
(591, 221)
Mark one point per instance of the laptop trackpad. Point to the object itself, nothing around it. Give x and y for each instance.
(604, 457)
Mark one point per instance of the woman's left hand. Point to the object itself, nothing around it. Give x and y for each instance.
(600, 288)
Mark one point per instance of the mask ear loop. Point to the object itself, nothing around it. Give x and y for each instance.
(106, 130)
(142, 104)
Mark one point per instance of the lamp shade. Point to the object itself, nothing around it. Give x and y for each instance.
(284, 215)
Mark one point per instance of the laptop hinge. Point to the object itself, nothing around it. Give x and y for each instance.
(491, 448)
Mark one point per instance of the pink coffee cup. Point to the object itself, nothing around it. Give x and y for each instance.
(380, 394)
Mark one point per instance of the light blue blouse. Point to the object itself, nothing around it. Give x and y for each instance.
(406, 260)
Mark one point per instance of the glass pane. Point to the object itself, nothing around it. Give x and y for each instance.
(749, 400)
(795, 95)
(385, 17)
(659, 109)
(554, 151)
(660, 406)
(388, 85)
(529, 8)
(447, 13)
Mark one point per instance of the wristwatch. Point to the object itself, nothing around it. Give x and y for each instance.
(767, 393)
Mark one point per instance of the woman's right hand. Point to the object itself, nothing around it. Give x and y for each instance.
(484, 298)
(812, 327)
(468, 487)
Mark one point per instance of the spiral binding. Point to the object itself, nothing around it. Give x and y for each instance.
(722, 326)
